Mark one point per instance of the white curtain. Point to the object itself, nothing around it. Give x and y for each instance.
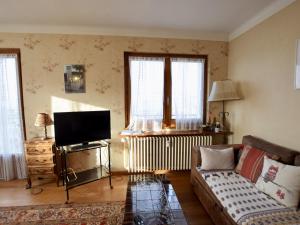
(187, 92)
(147, 88)
(12, 160)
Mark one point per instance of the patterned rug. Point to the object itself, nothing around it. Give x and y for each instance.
(106, 213)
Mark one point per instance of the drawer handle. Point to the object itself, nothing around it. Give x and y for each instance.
(37, 150)
(38, 160)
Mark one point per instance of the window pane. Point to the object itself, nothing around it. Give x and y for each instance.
(11, 134)
(187, 89)
(147, 86)
(12, 159)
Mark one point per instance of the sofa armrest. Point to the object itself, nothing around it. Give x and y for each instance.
(196, 155)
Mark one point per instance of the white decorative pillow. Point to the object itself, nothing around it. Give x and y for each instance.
(217, 159)
(280, 181)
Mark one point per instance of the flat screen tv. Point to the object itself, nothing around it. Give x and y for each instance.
(81, 127)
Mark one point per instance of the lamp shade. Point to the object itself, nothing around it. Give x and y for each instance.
(43, 119)
(223, 91)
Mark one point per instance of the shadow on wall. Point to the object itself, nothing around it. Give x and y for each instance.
(65, 105)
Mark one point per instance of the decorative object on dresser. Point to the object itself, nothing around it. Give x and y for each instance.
(223, 91)
(43, 120)
(41, 159)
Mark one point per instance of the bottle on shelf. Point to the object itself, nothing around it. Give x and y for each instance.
(217, 127)
(213, 124)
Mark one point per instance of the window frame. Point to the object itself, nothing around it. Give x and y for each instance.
(17, 51)
(168, 122)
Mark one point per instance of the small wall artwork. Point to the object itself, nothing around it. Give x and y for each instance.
(74, 76)
(297, 75)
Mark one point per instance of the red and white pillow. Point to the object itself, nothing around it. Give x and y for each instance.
(251, 163)
(280, 181)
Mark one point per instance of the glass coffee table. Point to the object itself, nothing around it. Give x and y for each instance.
(151, 200)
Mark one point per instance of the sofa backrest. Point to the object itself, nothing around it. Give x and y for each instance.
(297, 160)
(287, 156)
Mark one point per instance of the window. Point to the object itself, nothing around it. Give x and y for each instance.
(165, 90)
(12, 159)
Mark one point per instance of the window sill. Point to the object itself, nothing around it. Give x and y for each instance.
(174, 133)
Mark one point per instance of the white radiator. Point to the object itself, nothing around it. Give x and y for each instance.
(162, 153)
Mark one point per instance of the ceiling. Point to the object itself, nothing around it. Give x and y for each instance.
(191, 17)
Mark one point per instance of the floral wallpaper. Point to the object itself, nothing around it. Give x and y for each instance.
(43, 57)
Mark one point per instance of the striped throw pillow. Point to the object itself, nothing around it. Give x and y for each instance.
(251, 163)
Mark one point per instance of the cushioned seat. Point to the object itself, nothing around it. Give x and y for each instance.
(239, 197)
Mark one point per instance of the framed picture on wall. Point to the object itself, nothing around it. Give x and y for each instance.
(297, 72)
(74, 79)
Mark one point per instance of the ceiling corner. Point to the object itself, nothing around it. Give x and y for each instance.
(260, 17)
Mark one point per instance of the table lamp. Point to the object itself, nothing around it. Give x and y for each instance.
(43, 120)
(223, 91)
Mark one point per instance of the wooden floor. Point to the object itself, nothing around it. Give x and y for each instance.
(193, 210)
(13, 193)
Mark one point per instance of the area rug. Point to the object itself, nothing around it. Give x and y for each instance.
(106, 213)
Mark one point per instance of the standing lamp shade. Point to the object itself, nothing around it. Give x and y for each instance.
(43, 120)
(223, 91)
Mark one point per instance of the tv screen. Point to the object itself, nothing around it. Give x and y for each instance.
(81, 127)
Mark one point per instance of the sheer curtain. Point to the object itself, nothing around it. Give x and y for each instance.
(187, 92)
(147, 89)
(12, 159)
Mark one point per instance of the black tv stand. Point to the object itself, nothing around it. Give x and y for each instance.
(72, 179)
(84, 143)
(86, 146)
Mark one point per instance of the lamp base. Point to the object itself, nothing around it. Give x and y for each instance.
(224, 126)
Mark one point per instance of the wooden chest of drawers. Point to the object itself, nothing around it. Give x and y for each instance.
(41, 159)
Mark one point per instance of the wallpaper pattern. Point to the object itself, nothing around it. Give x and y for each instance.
(43, 57)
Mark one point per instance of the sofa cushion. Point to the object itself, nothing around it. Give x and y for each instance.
(239, 197)
(251, 162)
(286, 155)
(217, 159)
(243, 153)
(280, 181)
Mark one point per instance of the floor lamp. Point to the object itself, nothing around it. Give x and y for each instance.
(223, 91)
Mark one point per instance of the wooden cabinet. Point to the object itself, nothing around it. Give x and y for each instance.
(41, 159)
